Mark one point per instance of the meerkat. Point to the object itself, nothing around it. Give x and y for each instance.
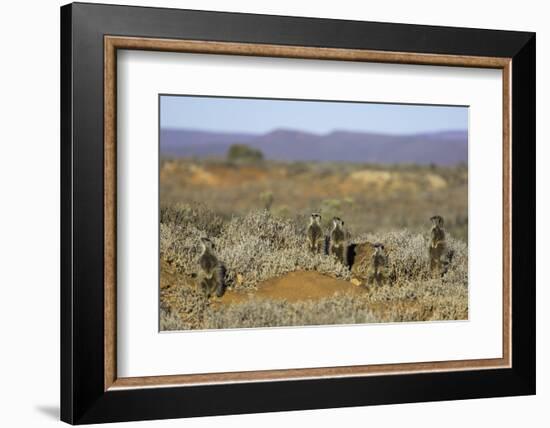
(212, 275)
(338, 241)
(438, 245)
(378, 265)
(315, 235)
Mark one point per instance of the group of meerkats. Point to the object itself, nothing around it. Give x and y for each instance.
(335, 243)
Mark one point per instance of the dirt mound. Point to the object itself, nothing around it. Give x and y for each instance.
(293, 287)
(374, 178)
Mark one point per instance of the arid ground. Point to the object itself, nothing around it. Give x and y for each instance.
(256, 213)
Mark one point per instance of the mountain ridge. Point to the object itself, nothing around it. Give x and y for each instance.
(447, 147)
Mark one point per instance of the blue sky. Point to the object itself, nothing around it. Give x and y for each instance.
(261, 116)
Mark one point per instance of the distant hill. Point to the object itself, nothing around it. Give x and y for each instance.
(443, 148)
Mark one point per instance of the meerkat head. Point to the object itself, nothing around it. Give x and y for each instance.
(206, 244)
(337, 222)
(378, 247)
(315, 218)
(437, 221)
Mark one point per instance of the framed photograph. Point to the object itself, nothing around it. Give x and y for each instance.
(266, 213)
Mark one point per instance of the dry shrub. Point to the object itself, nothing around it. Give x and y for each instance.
(256, 247)
(431, 300)
(339, 309)
(170, 321)
(182, 307)
(424, 300)
(197, 215)
(260, 246)
(179, 246)
(408, 256)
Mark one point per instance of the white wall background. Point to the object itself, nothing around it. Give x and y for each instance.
(29, 217)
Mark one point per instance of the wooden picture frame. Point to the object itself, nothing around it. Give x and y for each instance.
(91, 390)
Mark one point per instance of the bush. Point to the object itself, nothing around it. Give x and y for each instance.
(259, 246)
(410, 301)
(344, 309)
(243, 153)
(341, 309)
(254, 248)
(196, 215)
(408, 256)
(267, 198)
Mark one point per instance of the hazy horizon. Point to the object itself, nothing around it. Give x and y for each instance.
(261, 116)
(320, 134)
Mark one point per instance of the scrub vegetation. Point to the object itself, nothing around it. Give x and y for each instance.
(256, 215)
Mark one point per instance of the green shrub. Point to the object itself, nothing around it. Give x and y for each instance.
(267, 198)
(242, 153)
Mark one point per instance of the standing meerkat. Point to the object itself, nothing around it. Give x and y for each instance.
(378, 265)
(438, 244)
(212, 275)
(315, 235)
(337, 245)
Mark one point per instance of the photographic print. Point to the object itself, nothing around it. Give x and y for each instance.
(306, 185)
(281, 212)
